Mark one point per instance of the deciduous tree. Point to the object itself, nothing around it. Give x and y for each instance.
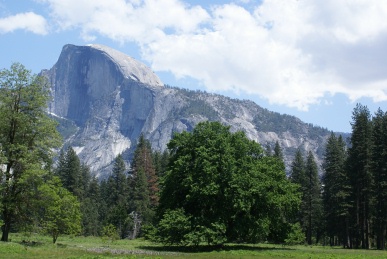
(27, 137)
(61, 209)
(224, 186)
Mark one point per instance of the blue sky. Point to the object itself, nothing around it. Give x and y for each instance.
(311, 59)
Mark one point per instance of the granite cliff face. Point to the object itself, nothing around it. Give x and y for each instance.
(109, 99)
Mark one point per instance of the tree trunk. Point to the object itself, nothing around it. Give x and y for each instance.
(5, 229)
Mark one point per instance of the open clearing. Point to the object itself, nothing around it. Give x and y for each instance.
(37, 246)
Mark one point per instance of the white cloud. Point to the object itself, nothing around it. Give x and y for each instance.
(291, 52)
(28, 21)
(142, 21)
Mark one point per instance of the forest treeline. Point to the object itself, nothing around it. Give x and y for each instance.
(210, 186)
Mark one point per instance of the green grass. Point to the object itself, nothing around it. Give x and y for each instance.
(37, 246)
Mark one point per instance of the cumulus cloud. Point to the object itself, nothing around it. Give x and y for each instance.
(142, 21)
(291, 52)
(28, 21)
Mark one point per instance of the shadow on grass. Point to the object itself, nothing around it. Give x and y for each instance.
(208, 248)
(31, 243)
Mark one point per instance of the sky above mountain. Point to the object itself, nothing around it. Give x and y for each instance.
(311, 59)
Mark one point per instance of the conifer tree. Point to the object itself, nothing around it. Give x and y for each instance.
(359, 173)
(160, 161)
(313, 200)
(118, 197)
(298, 176)
(336, 191)
(143, 161)
(91, 209)
(69, 171)
(278, 151)
(379, 172)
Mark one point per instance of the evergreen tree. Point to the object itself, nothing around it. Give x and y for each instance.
(76, 178)
(359, 173)
(141, 204)
(144, 196)
(91, 209)
(306, 176)
(313, 202)
(69, 171)
(160, 162)
(118, 197)
(336, 191)
(379, 171)
(278, 151)
(143, 160)
(298, 176)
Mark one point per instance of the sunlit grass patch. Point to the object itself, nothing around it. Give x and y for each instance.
(26, 246)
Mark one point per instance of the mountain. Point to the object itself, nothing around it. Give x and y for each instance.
(105, 99)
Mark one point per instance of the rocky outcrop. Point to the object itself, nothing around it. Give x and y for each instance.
(113, 98)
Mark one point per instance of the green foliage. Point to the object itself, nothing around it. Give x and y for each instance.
(149, 232)
(278, 151)
(69, 171)
(117, 198)
(76, 178)
(61, 210)
(173, 228)
(311, 210)
(199, 107)
(226, 188)
(314, 208)
(296, 235)
(360, 175)
(268, 121)
(144, 186)
(27, 136)
(336, 190)
(110, 233)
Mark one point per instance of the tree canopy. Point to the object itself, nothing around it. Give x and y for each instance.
(27, 139)
(220, 187)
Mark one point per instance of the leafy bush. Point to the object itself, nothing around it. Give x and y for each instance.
(173, 227)
(295, 236)
(110, 233)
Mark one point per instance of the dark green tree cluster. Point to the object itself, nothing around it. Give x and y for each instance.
(355, 183)
(336, 191)
(220, 187)
(305, 174)
(76, 178)
(125, 201)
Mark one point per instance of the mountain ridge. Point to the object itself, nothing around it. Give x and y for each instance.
(111, 99)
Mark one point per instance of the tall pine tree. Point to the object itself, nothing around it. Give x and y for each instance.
(298, 176)
(379, 172)
(336, 191)
(313, 200)
(143, 162)
(359, 173)
(118, 197)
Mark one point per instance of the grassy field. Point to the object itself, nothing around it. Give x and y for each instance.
(36, 246)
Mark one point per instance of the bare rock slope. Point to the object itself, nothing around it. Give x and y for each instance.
(109, 99)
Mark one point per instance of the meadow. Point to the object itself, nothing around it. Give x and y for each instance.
(38, 246)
